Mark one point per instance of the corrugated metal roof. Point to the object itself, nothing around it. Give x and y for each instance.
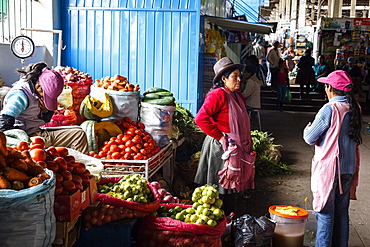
(241, 26)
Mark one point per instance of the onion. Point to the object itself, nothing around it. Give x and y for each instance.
(168, 198)
(162, 192)
(156, 185)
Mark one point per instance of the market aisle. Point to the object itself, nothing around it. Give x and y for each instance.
(286, 127)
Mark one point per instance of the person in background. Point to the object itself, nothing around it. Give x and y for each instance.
(336, 134)
(252, 91)
(282, 84)
(31, 103)
(217, 118)
(356, 74)
(321, 69)
(259, 70)
(273, 56)
(288, 56)
(309, 44)
(259, 51)
(306, 74)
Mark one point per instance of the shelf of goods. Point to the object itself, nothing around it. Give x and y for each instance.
(146, 168)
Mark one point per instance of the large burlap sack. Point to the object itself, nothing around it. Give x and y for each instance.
(27, 216)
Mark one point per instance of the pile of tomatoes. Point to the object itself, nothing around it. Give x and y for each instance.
(71, 175)
(134, 144)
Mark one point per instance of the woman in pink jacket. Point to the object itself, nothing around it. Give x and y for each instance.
(336, 133)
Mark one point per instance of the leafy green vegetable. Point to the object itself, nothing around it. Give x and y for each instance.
(267, 160)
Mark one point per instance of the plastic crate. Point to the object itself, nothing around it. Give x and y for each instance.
(113, 234)
(146, 168)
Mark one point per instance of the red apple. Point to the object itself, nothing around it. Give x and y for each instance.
(59, 177)
(52, 165)
(85, 179)
(52, 151)
(70, 159)
(69, 167)
(77, 177)
(58, 188)
(68, 186)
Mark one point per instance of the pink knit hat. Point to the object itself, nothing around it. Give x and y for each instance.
(52, 84)
(338, 79)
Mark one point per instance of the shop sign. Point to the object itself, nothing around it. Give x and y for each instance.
(361, 21)
(335, 23)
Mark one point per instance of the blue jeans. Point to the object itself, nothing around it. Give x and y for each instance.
(333, 219)
(281, 91)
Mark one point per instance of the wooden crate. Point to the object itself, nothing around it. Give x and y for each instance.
(67, 233)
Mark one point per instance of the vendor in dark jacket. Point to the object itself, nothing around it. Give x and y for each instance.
(306, 74)
(356, 75)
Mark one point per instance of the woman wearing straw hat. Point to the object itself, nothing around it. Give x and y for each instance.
(223, 117)
(336, 134)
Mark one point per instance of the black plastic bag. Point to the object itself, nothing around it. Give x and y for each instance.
(250, 231)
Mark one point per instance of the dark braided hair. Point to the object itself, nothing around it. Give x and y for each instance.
(32, 72)
(355, 122)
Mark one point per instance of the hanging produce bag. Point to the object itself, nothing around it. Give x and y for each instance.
(27, 216)
(158, 122)
(165, 231)
(125, 104)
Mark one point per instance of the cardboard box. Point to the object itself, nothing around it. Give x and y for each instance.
(85, 198)
(67, 208)
(93, 190)
(67, 233)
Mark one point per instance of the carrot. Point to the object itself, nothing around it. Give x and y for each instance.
(28, 158)
(34, 181)
(36, 170)
(4, 183)
(19, 164)
(3, 150)
(12, 174)
(14, 154)
(2, 162)
(17, 185)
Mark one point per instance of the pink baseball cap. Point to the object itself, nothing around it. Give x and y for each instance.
(338, 79)
(52, 84)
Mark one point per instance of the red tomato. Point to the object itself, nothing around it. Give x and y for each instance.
(127, 119)
(139, 156)
(76, 177)
(138, 132)
(85, 179)
(143, 151)
(69, 167)
(68, 186)
(51, 151)
(52, 165)
(102, 154)
(105, 148)
(58, 188)
(116, 155)
(96, 156)
(141, 125)
(129, 143)
(118, 141)
(59, 177)
(125, 138)
(146, 145)
(136, 139)
(114, 148)
(62, 151)
(139, 145)
(113, 138)
(38, 154)
(38, 140)
(21, 146)
(62, 163)
(120, 136)
(128, 150)
(79, 167)
(130, 132)
(66, 174)
(121, 147)
(111, 143)
(78, 185)
(134, 149)
(70, 159)
(127, 156)
(126, 125)
(105, 143)
(34, 146)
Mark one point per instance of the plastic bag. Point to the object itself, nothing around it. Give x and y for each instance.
(251, 231)
(95, 166)
(27, 216)
(125, 104)
(288, 97)
(158, 122)
(165, 231)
